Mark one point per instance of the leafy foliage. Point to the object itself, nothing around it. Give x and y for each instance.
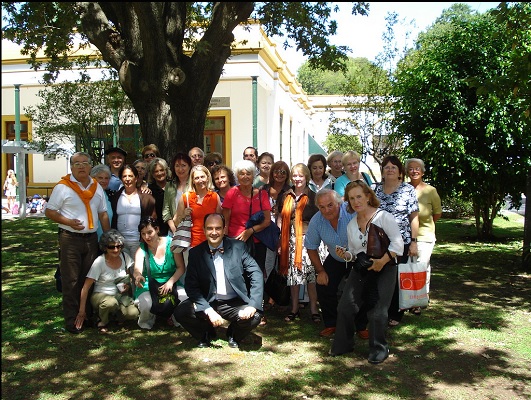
(71, 112)
(169, 55)
(475, 146)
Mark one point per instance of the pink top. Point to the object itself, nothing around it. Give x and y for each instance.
(239, 206)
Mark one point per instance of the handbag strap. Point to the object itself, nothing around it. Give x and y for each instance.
(369, 221)
(187, 201)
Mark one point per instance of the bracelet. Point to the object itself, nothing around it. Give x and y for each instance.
(252, 227)
(351, 256)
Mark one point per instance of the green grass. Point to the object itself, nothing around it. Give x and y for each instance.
(471, 343)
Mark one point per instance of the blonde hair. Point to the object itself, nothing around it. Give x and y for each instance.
(190, 187)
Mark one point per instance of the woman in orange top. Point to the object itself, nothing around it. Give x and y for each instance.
(202, 200)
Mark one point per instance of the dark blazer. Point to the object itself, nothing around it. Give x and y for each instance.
(241, 270)
(147, 206)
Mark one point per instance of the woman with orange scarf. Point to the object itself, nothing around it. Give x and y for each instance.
(297, 208)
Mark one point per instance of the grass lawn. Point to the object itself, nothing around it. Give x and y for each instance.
(473, 341)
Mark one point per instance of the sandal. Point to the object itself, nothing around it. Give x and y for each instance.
(263, 322)
(393, 322)
(316, 318)
(103, 329)
(292, 316)
(415, 310)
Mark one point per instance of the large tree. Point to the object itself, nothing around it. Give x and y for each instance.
(477, 147)
(169, 55)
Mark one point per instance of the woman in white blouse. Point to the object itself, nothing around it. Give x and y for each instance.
(382, 274)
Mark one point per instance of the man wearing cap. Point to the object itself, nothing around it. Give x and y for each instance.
(115, 160)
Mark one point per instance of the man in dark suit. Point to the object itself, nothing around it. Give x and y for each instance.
(222, 282)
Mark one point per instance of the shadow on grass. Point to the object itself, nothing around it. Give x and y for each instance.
(463, 343)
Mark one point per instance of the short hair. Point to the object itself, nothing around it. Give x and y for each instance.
(313, 159)
(151, 147)
(214, 214)
(111, 236)
(332, 155)
(418, 161)
(197, 148)
(228, 171)
(97, 169)
(350, 154)
(395, 161)
(253, 148)
(127, 166)
(245, 165)
(190, 187)
(79, 153)
(373, 200)
(301, 167)
(265, 154)
(147, 221)
(153, 164)
(325, 192)
(212, 157)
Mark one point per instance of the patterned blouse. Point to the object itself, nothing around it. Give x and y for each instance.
(401, 203)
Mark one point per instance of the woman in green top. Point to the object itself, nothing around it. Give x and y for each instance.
(165, 268)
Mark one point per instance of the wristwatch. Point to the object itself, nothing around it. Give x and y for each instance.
(413, 239)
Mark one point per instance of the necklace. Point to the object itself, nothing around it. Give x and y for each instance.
(363, 235)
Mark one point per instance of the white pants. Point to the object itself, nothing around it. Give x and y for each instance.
(425, 250)
(146, 319)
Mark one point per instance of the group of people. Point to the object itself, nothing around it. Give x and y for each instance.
(116, 222)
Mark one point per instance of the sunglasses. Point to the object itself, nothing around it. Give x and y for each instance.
(150, 155)
(280, 172)
(212, 163)
(115, 246)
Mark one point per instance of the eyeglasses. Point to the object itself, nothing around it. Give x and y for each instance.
(417, 169)
(82, 164)
(280, 172)
(196, 156)
(212, 163)
(115, 246)
(150, 155)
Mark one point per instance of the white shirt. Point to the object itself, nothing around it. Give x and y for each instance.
(67, 202)
(223, 287)
(129, 214)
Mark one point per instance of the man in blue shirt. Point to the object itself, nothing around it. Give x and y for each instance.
(328, 225)
(115, 160)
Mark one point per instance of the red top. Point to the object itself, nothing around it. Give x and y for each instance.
(208, 206)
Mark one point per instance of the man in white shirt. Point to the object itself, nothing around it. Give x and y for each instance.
(76, 204)
(222, 282)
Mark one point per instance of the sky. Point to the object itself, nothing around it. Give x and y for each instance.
(363, 34)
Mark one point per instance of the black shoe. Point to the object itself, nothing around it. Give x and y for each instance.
(204, 342)
(233, 344)
(377, 358)
(73, 329)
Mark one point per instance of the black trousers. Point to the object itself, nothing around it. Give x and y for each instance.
(198, 323)
(328, 294)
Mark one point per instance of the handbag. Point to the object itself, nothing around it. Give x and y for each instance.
(161, 305)
(277, 287)
(182, 238)
(412, 284)
(377, 240)
(269, 236)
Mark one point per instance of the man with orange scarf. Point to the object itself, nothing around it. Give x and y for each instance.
(297, 207)
(76, 204)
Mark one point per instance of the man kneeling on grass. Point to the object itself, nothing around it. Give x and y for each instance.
(222, 282)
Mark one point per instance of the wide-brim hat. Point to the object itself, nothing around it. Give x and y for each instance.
(116, 150)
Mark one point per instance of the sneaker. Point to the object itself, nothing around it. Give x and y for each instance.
(326, 332)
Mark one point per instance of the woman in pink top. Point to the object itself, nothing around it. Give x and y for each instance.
(202, 200)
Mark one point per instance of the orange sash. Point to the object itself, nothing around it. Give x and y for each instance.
(287, 208)
(85, 195)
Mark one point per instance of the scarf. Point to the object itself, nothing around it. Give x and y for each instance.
(85, 195)
(285, 232)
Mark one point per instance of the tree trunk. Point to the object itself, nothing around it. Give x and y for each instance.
(526, 254)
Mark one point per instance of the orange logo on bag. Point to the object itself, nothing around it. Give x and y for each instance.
(412, 280)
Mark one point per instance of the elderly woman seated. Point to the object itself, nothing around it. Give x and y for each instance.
(109, 272)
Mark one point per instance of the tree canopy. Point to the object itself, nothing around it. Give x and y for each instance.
(475, 146)
(169, 55)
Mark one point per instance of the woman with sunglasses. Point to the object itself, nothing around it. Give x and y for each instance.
(106, 273)
(278, 184)
(213, 159)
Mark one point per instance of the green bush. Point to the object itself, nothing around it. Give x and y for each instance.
(455, 207)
